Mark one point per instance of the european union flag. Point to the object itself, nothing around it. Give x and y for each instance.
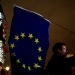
(28, 41)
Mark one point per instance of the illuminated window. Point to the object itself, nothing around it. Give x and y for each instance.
(1, 53)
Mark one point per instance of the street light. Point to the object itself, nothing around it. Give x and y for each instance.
(7, 68)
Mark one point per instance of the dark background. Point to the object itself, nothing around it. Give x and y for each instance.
(59, 11)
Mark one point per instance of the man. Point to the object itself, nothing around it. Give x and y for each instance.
(59, 64)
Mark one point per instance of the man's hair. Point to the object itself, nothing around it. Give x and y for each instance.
(57, 46)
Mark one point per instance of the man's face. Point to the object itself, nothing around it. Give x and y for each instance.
(63, 51)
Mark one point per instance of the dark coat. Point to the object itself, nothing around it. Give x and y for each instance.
(59, 65)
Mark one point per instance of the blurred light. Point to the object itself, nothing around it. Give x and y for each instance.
(0, 43)
(0, 22)
(39, 66)
(3, 30)
(1, 16)
(7, 68)
(5, 42)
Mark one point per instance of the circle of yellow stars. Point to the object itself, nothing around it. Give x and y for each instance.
(12, 45)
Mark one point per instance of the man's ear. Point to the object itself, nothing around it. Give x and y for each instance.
(59, 50)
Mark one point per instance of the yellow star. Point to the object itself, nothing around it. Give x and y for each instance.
(13, 54)
(12, 45)
(39, 49)
(16, 38)
(18, 61)
(36, 65)
(36, 41)
(30, 36)
(24, 66)
(29, 68)
(39, 58)
(22, 35)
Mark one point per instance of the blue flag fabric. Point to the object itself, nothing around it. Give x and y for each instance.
(28, 41)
